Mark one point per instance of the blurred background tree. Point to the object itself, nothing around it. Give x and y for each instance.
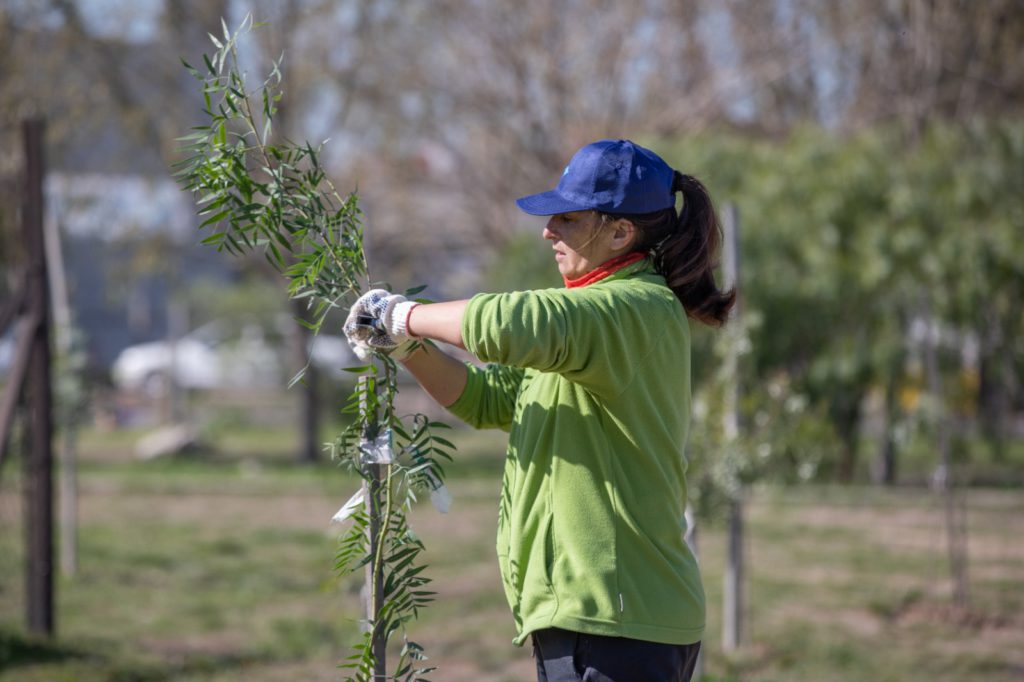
(874, 150)
(872, 147)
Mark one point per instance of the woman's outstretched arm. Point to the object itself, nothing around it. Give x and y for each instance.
(440, 375)
(438, 321)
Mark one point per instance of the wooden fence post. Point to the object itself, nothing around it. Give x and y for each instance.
(732, 617)
(691, 539)
(67, 420)
(38, 485)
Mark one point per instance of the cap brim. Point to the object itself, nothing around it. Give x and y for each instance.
(548, 203)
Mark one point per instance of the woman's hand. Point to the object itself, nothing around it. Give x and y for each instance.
(378, 321)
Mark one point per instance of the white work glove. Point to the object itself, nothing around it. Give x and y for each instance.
(377, 322)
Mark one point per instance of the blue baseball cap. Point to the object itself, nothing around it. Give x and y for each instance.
(611, 176)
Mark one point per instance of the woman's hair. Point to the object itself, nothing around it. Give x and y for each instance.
(683, 247)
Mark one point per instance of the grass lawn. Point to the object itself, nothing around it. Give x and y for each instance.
(218, 567)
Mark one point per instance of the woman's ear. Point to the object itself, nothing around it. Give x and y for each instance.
(624, 233)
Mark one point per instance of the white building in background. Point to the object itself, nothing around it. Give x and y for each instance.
(130, 246)
(128, 241)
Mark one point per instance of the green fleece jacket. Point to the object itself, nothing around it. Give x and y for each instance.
(593, 384)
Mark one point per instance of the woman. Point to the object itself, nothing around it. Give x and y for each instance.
(593, 384)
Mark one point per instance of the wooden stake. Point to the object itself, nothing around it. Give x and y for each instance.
(732, 617)
(38, 484)
(692, 541)
(374, 588)
(68, 476)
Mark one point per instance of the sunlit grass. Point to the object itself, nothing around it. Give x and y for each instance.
(217, 566)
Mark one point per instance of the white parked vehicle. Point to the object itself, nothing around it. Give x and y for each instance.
(211, 357)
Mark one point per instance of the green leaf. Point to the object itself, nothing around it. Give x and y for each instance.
(215, 218)
(409, 293)
(299, 376)
(278, 258)
(188, 66)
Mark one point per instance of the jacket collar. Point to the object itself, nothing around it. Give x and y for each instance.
(606, 269)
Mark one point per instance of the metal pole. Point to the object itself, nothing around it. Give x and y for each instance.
(732, 618)
(38, 486)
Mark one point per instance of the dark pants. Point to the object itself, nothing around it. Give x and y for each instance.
(564, 656)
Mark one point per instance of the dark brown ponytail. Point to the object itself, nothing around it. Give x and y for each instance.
(683, 248)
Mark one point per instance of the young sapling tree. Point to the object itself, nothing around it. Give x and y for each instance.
(256, 193)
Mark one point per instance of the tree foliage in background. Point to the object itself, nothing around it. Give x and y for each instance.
(256, 194)
(464, 126)
(854, 250)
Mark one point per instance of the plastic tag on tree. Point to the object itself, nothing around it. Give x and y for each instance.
(441, 498)
(350, 508)
(377, 450)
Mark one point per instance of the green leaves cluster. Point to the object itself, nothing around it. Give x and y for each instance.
(403, 590)
(395, 564)
(259, 195)
(851, 246)
(254, 194)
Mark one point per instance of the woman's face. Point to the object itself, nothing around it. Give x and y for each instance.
(580, 242)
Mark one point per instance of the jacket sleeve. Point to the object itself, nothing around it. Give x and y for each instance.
(597, 337)
(489, 399)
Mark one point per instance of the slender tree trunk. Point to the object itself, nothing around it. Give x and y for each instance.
(309, 404)
(993, 400)
(309, 413)
(846, 416)
(954, 508)
(884, 471)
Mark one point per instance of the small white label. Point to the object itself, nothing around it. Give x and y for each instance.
(622, 605)
(441, 498)
(349, 508)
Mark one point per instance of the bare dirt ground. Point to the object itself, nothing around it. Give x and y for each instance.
(203, 581)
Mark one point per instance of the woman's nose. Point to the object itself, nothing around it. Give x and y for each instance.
(547, 232)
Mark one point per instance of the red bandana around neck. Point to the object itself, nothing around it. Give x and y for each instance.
(604, 269)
